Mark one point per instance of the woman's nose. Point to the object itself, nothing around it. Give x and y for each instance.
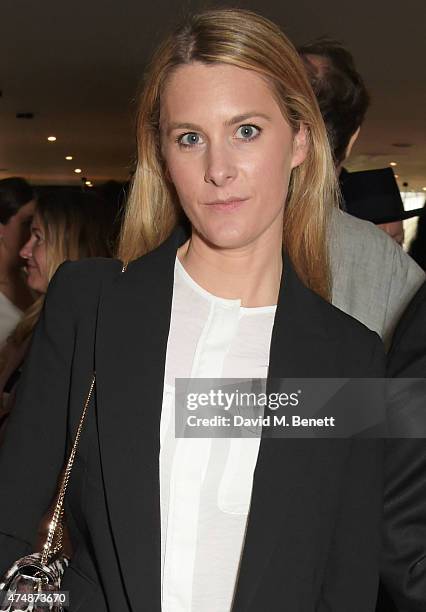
(27, 250)
(220, 166)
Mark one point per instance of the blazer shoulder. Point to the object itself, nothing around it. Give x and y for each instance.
(346, 326)
(360, 348)
(77, 284)
(86, 271)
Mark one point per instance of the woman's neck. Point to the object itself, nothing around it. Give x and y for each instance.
(250, 273)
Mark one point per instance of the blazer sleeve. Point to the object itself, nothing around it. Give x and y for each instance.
(33, 451)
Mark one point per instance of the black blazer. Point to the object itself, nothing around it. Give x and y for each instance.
(313, 533)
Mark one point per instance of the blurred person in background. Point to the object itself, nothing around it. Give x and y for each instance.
(405, 494)
(341, 93)
(373, 279)
(67, 225)
(16, 211)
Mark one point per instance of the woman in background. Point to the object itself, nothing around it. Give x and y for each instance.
(16, 211)
(67, 225)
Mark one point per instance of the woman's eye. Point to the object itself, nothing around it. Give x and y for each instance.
(190, 139)
(248, 132)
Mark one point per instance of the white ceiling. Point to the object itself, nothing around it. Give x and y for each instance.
(77, 66)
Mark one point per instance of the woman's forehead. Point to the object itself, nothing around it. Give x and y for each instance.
(36, 220)
(213, 90)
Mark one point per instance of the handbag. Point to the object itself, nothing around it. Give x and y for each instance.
(33, 582)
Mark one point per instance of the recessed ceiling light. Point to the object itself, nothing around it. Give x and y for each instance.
(77, 170)
(393, 164)
(69, 157)
(51, 138)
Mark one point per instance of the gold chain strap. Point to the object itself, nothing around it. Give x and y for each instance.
(56, 524)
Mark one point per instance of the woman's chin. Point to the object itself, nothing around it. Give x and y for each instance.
(36, 284)
(226, 237)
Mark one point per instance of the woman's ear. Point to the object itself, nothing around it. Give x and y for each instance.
(352, 142)
(300, 145)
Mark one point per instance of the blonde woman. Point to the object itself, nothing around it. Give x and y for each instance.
(67, 225)
(16, 210)
(234, 169)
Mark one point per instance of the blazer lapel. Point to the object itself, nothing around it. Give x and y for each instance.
(301, 347)
(132, 333)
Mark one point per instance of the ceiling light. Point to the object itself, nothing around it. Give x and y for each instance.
(424, 188)
(88, 183)
(393, 163)
(51, 138)
(77, 170)
(68, 157)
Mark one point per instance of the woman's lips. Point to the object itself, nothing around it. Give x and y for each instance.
(228, 205)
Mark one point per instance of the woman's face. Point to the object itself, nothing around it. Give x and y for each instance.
(229, 152)
(15, 233)
(34, 252)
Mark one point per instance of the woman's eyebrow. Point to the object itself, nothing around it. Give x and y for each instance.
(245, 116)
(233, 121)
(183, 126)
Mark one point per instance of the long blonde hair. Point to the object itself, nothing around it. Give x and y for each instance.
(244, 39)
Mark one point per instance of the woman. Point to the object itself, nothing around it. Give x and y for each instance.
(67, 225)
(16, 210)
(232, 141)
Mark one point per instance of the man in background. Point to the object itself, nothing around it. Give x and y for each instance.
(373, 279)
(341, 93)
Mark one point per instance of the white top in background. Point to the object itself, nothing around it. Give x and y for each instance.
(10, 316)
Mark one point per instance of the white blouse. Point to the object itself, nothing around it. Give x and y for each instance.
(10, 315)
(206, 483)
